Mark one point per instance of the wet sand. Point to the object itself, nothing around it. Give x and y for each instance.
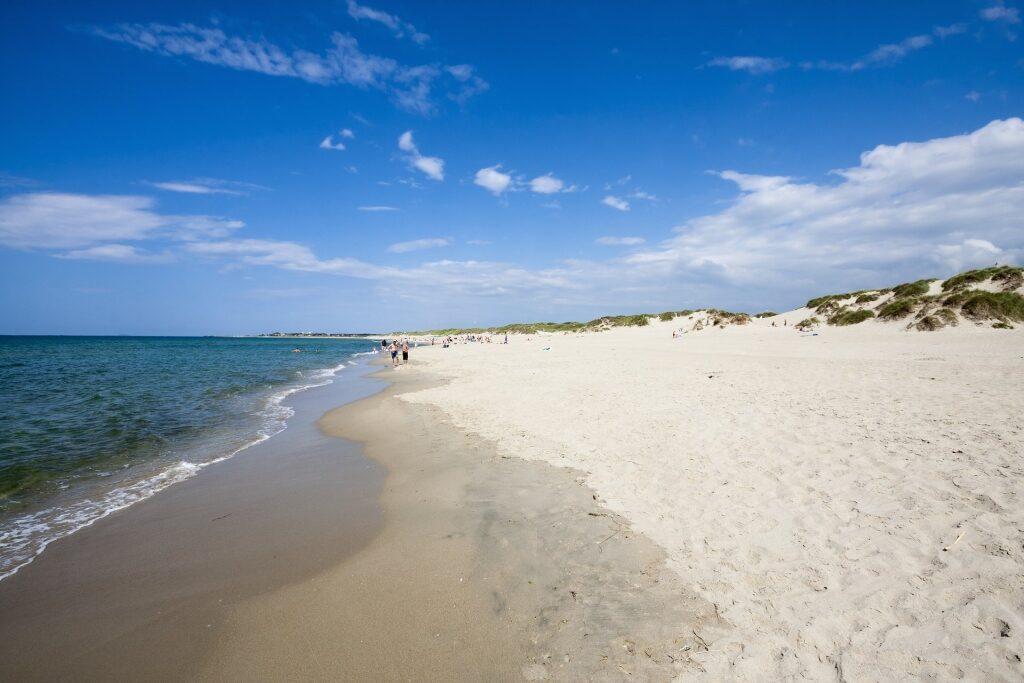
(487, 568)
(470, 566)
(144, 593)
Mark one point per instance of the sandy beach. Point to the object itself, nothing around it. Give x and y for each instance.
(848, 502)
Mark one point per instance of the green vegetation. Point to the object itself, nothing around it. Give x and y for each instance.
(896, 309)
(809, 322)
(848, 317)
(936, 321)
(766, 314)
(720, 317)
(1003, 306)
(1002, 326)
(867, 297)
(834, 299)
(908, 289)
(667, 316)
(1012, 277)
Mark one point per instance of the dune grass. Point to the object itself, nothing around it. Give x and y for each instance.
(897, 308)
(1002, 306)
(848, 317)
(910, 289)
(1011, 277)
(809, 322)
(867, 297)
(766, 314)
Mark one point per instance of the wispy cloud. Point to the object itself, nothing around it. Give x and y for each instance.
(494, 180)
(432, 167)
(400, 28)
(903, 211)
(549, 184)
(610, 241)
(616, 202)
(750, 64)
(951, 30)
(206, 186)
(55, 220)
(377, 208)
(478, 243)
(417, 245)
(117, 253)
(1000, 12)
(890, 53)
(409, 87)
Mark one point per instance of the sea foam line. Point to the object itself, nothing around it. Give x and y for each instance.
(32, 529)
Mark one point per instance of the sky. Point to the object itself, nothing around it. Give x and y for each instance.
(244, 167)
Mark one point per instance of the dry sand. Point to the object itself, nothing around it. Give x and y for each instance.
(850, 503)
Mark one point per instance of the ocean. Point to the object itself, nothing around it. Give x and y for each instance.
(90, 425)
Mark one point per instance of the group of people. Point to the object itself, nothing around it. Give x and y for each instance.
(395, 348)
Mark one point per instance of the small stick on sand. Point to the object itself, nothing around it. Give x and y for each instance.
(956, 541)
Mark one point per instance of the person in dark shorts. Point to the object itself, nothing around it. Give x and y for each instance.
(405, 351)
(394, 353)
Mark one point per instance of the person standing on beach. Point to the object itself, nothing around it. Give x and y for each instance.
(405, 351)
(394, 354)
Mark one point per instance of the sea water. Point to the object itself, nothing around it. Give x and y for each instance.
(90, 425)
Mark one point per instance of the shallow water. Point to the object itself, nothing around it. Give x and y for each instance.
(89, 425)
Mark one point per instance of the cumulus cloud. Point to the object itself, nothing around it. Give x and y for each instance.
(610, 241)
(55, 220)
(492, 179)
(409, 87)
(329, 143)
(616, 202)
(400, 28)
(902, 212)
(432, 167)
(945, 202)
(549, 184)
(752, 65)
(417, 245)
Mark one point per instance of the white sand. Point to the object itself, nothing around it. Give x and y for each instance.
(805, 485)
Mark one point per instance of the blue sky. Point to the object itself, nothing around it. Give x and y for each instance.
(188, 168)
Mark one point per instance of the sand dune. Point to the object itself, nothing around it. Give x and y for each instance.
(850, 502)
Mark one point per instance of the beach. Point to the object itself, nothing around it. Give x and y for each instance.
(847, 500)
(733, 503)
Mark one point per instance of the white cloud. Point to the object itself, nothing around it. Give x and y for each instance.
(616, 203)
(610, 241)
(417, 245)
(955, 200)
(329, 143)
(951, 30)
(549, 184)
(346, 133)
(752, 65)
(640, 194)
(1000, 12)
(206, 186)
(432, 167)
(54, 220)
(377, 208)
(903, 212)
(409, 87)
(973, 96)
(400, 28)
(116, 253)
(890, 53)
(492, 179)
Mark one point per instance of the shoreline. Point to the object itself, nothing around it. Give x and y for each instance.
(457, 563)
(144, 592)
(487, 568)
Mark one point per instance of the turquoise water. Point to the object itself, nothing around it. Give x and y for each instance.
(89, 425)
